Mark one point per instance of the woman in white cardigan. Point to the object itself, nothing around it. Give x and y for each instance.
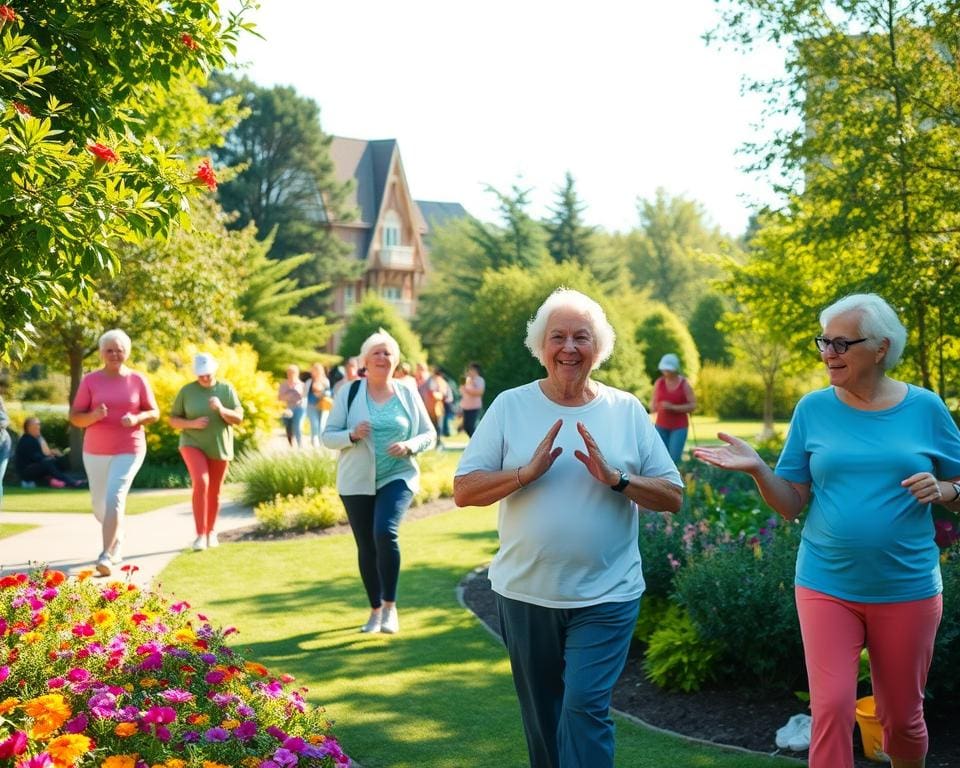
(378, 424)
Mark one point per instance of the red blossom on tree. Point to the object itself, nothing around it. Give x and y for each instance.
(7, 14)
(23, 109)
(103, 153)
(189, 41)
(205, 175)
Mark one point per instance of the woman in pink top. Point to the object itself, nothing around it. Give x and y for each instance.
(673, 400)
(111, 406)
(471, 397)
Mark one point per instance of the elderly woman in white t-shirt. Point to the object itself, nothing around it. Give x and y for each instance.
(569, 459)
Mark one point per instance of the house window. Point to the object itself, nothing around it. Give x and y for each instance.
(390, 293)
(391, 229)
(349, 295)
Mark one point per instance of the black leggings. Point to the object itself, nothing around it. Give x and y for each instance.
(375, 521)
(42, 471)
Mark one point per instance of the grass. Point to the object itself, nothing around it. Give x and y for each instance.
(439, 695)
(12, 529)
(704, 430)
(78, 500)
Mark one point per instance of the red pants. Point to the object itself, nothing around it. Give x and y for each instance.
(899, 637)
(206, 475)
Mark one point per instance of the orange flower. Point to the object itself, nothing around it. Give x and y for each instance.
(103, 618)
(250, 762)
(211, 764)
(255, 669)
(84, 574)
(184, 636)
(67, 749)
(7, 14)
(188, 41)
(8, 704)
(49, 712)
(120, 761)
(149, 682)
(53, 578)
(229, 724)
(125, 729)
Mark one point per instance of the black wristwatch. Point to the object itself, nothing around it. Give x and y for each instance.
(956, 489)
(624, 482)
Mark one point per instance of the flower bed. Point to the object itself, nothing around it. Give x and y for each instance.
(112, 676)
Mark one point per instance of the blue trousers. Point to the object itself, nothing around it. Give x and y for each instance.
(565, 663)
(374, 521)
(674, 439)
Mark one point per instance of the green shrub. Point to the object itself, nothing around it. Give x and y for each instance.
(653, 609)
(308, 511)
(661, 331)
(154, 475)
(436, 476)
(265, 476)
(944, 680)
(677, 658)
(736, 393)
(53, 389)
(740, 598)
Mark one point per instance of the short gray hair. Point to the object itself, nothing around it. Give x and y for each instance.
(567, 298)
(878, 321)
(115, 335)
(375, 340)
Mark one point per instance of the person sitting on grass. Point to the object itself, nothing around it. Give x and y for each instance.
(37, 462)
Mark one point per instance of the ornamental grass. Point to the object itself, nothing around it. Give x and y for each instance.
(108, 675)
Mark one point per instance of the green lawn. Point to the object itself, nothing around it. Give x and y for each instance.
(11, 529)
(704, 430)
(438, 695)
(78, 500)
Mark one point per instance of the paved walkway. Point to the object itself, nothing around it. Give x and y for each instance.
(71, 542)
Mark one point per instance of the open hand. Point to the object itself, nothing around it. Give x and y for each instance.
(543, 457)
(593, 459)
(737, 455)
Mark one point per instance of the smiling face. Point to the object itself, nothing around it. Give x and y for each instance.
(113, 354)
(380, 362)
(569, 349)
(861, 362)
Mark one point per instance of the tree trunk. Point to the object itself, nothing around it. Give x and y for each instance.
(768, 426)
(76, 435)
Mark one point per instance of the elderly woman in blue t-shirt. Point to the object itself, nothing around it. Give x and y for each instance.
(870, 454)
(378, 424)
(569, 459)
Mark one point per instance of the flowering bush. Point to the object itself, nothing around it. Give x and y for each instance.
(111, 676)
(311, 510)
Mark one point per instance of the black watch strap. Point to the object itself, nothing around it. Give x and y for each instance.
(956, 489)
(623, 483)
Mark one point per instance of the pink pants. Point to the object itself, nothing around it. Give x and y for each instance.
(899, 637)
(206, 475)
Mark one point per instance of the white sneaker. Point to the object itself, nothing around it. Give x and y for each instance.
(794, 728)
(212, 540)
(199, 543)
(116, 558)
(801, 740)
(390, 623)
(373, 623)
(103, 564)
(27, 484)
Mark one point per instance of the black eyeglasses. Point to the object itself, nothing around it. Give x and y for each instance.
(839, 345)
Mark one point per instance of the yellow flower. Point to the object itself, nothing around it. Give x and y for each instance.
(229, 724)
(67, 749)
(8, 704)
(103, 618)
(49, 712)
(250, 762)
(125, 729)
(149, 682)
(120, 761)
(84, 574)
(185, 635)
(31, 637)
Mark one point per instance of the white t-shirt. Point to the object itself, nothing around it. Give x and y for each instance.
(567, 540)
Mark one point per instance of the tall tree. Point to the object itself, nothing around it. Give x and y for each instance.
(870, 152)
(668, 258)
(286, 184)
(372, 314)
(568, 238)
(705, 322)
(80, 168)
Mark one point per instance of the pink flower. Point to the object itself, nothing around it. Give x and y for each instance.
(7, 14)
(15, 745)
(103, 153)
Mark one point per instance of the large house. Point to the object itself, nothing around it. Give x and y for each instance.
(390, 231)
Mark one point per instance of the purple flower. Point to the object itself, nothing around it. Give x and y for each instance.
(245, 710)
(153, 661)
(208, 658)
(214, 677)
(217, 734)
(190, 737)
(103, 705)
(222, 699)
(272, 690)
(294, 744)
(284, 757)
(77, 724)
(246, 730)
(278, 734)
(162, 733)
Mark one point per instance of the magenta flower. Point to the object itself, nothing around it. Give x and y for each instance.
(4, 673)
(278, 734)
(161, 715)
(176, 695)
(15, 745)
(56, 682)
(294, 744)
(77, 724)
(43, 760)
(284, 757)
(246, 730)
(153, 661)
(214, 677)
(162, 733)
(217, 734)
(83, 630)
(78, 675)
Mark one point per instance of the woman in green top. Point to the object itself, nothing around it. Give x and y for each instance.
(206, 410)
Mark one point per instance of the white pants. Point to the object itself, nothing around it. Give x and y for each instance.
(110, 478)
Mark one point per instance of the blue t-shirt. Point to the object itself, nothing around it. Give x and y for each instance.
(389, 424)
(865, 537)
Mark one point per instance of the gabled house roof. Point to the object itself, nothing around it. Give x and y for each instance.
(367, 163)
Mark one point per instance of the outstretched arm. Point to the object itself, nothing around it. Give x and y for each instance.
(787, 499)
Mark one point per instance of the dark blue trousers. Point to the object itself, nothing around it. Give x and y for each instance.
(565, 663)
(374, 521)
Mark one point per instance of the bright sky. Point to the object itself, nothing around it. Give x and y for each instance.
(622, 93)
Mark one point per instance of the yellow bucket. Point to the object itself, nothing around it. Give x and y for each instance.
(870, 730)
